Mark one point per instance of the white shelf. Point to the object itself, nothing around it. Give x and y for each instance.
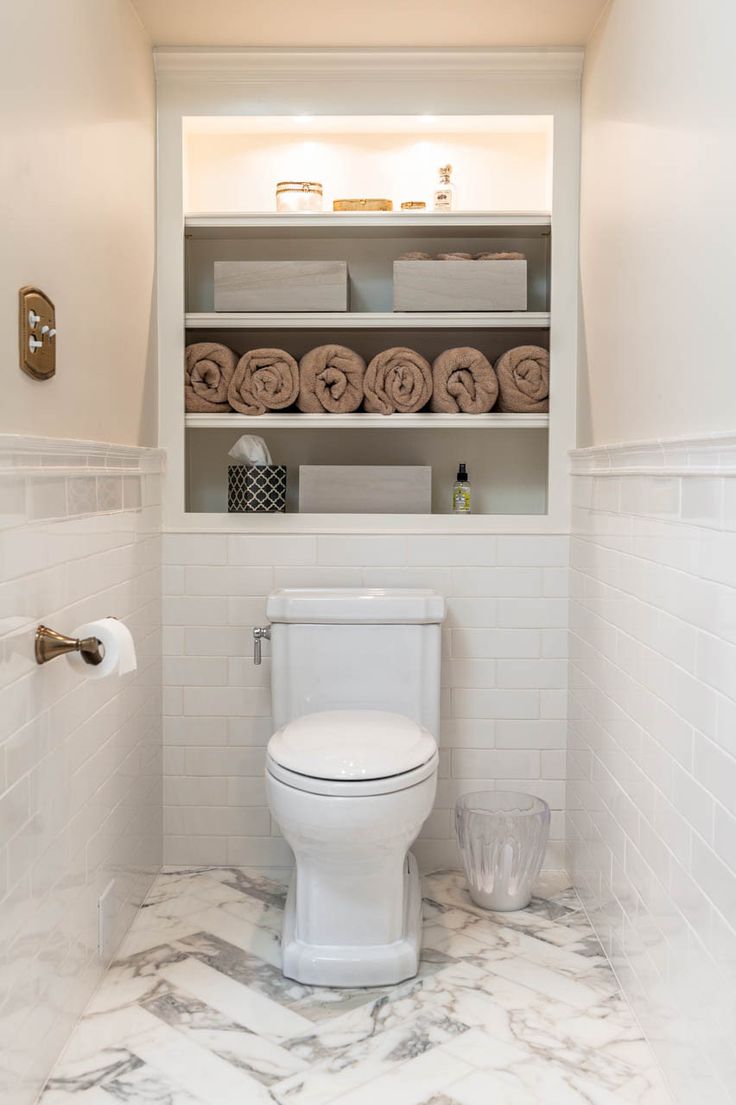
(368, 320)
(359, 420)
(395, 223)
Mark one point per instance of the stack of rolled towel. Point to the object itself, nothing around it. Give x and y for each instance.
(336, 380)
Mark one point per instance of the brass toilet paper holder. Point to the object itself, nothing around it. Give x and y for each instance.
(50, 644)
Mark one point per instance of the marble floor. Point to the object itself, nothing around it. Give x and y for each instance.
(508, 1009)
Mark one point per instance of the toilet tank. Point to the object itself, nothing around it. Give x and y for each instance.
(359, 649)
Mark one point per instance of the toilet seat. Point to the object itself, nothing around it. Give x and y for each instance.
(352, 752)
(365, 788)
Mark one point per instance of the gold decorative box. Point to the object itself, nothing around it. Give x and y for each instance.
(362, 205)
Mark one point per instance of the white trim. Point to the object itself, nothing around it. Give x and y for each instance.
(246, 65)
(202, 224)
(709, 454)
(282, 524)
(368, 320)
(196, 82)
(359, 420)
(24, 451)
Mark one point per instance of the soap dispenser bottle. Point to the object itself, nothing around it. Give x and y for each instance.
(444, 196)
(461, 492)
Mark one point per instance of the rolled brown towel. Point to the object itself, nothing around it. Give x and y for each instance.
(397, 380)
(523, 380)
(264, 380)
(415, 255)
(330, 379)
(507, 255)
(208, 370)
(464, 380)
(454, 256)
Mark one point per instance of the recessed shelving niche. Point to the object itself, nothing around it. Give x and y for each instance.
(503, 166)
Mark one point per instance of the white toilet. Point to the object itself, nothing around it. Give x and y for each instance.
(351, 774)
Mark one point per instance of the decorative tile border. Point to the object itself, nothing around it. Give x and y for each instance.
(712, 454)
(43, 479)
(18, 451)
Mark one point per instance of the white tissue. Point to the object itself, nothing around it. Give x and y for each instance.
(250, 449)
(118, 645)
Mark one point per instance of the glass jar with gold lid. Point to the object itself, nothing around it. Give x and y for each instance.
(296, 196)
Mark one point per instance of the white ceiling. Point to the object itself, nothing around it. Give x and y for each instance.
(369, 22)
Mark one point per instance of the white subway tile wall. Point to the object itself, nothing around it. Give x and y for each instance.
(504, 676)
(80, 759)
(652, 741)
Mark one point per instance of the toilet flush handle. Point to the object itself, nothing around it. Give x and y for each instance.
(259, 633)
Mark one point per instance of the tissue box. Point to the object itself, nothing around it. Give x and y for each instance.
(459, 285)
(256, 488)
(281, 286)
(365, 489)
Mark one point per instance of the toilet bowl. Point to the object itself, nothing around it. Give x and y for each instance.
(350, 790)
(351, 773)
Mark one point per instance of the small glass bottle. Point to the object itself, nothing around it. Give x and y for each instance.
(444, 196)
(461, 492)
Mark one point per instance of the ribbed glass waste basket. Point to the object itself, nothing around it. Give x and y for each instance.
(502, 837)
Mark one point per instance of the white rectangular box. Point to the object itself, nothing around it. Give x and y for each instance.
(365, 489)
(281, 285)
(460, 286)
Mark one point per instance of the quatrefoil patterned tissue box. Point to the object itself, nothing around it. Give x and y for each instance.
(256, 488)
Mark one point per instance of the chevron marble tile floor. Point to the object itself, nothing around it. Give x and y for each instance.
(513, 1009)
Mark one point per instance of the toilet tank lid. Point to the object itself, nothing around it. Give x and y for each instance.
(356, 605)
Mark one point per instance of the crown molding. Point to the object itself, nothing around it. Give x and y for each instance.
(258, 65)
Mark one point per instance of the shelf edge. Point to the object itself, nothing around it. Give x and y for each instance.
(498, 421)
(365, 320)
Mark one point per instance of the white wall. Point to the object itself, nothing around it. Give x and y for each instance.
(652, 752)
(657, 235)
(493, 172)
(504, 676)
(77, 196)
(652, 742)
(80, 759)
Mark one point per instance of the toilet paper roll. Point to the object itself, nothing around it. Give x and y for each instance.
(118, 646)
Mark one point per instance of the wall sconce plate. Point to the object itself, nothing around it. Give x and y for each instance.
(37, 333)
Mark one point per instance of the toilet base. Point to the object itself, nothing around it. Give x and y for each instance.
(369, 965)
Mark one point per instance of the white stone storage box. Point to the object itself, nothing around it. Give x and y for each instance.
(281, 285)
(460, 286)
(365, 489)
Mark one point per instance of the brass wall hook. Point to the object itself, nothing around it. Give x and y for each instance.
(50, 644)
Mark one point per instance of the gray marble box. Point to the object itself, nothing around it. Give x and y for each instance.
(281, 285)
(365, 489)
(460, 286)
